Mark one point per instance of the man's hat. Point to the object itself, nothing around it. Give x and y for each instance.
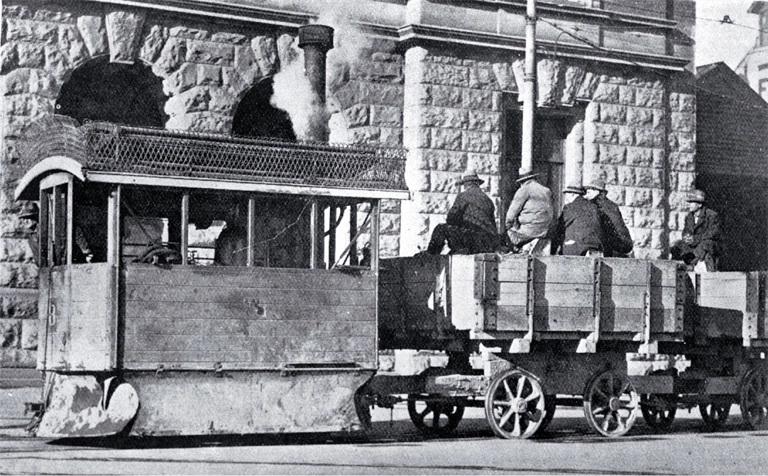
(470, 178)
(524, 177)
(596, 183)
(577, 189)
(696, 196)
(33, 213)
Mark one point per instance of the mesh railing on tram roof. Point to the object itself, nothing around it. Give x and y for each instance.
(122, 149)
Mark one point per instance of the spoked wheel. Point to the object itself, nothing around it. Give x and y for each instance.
(364, 399)
(515, 404)
(610, 404)
(754, 399)
(658, 411)
(715, 414)
(435, 415)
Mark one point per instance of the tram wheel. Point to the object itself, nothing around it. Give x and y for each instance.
(610, 404)
(435, 415)
(754, 399)
(714, 414)
(515, 405)
(658, 411)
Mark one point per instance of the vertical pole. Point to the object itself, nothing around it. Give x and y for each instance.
(184, 228)
(251, 256)
(352, 233)
(332, 234)
(70, 217)
(314, 224)
(43, 230)
(375, 227)
(529, 100)
(113, 220)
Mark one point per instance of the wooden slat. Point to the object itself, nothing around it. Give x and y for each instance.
(634, 297)
(564, 270)
(235, 327)
(200, 294)
(513, 294)
(563, 319)
(513, 268)
(241, 310)
(261, 278)
(555, 295)
(512, 318)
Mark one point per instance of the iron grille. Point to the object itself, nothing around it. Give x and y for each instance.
(132, 150)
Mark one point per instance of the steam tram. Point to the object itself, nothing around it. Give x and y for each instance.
(149, 338)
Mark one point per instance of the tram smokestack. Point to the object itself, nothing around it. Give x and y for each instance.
(316, 40)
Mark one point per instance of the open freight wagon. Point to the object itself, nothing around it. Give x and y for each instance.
(570, 329)
(157, 333)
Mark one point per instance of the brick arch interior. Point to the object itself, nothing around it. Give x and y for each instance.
(256, 117)
(122, 93)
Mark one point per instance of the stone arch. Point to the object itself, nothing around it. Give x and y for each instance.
(122, 93)
(256, 117)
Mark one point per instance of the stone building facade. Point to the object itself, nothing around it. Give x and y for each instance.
(438, 77)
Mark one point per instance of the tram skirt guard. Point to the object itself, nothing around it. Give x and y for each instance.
(79, 406)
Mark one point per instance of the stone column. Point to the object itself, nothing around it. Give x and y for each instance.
(574, 154)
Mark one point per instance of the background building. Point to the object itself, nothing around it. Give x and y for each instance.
(754, 66)
(438, 77)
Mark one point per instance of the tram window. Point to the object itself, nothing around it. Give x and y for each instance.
(151, 224)
(90, 224)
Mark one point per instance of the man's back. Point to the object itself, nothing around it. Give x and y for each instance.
(579, 227)
(473, 209)
(615, 237)
(530, 212)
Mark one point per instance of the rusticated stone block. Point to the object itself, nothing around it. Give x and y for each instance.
(356, 115)
(601, 133)
(9, 57)
(627, 95)
(417, 180)
(649, 137)
(612, 154)
(637, 116)
(444, 182)
(391, 136)
(390, 206)
(658, 240)
(684, 162)
(221, 101)
(484, 121)
(687, 142)
(28, 334)
(685, 181)
(483, 78)
(482, 163)
(416, 137)
(674, 101)
(389, 246)
(574, 75)
(16, 11)
(639, 156)
(20, 305)
(28, 105)
(659, 196)
(181, 80)
(287, 50)
(588, 86)
(641, 236)
(606, 93)
(208, 75)
(93, 31)
(645, 97)
(449, 139)
(227, 37)
(26, 80)
(189, 33)
(547, 73)
(687, 103)
(446, 96)
(645, 177)
(210, 53)
(123, 33)
(445, 74)
(683, 121)
(390, 223)
(433, 203)
(613, 114)
(505, 77)
(659, 158)
(377, 72)
(626, 176)
(53, 16)
(10, 333)
(200, 122)
(443, 160)
(638, 197)
(171, 57)
(193, 100)
(30, 31)
(473, 141)
(626, 135)
(266, 52)
(365, 135)
(443, 117)
(386, 116)
(648, 218)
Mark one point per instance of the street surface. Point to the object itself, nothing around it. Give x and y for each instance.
(568, 447)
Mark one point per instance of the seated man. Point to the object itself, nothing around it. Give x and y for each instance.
(614, 234)
(700, 246)
(471, 224)
(578, 229)
(530, 214)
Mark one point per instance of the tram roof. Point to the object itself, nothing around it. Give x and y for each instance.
(112, 153)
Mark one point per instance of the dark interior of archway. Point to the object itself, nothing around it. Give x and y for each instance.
(121, 93)
(256, 117)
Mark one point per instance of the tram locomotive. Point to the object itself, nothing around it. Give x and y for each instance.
(149, 338)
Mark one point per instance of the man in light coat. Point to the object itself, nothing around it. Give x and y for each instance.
(530, 214)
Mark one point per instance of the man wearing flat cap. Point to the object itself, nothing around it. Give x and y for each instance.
(471, 223)
(614, 233)
(530, 214)
(578, 228)
(700, 246)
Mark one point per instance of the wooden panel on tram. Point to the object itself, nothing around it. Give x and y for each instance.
(197, 317)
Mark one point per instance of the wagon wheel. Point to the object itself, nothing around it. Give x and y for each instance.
(754, 399)
(435, 415)
(715, 414)
(550, 406)
(658, 411)
(610, 403)
(515, 404)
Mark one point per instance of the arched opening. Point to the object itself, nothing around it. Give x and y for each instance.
(114, 92)
(256, 117)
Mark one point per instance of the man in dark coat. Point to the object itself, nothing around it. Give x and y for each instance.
(530, 214)
(701, 235)
(614, 233)
(578, 228)
(471, 223)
